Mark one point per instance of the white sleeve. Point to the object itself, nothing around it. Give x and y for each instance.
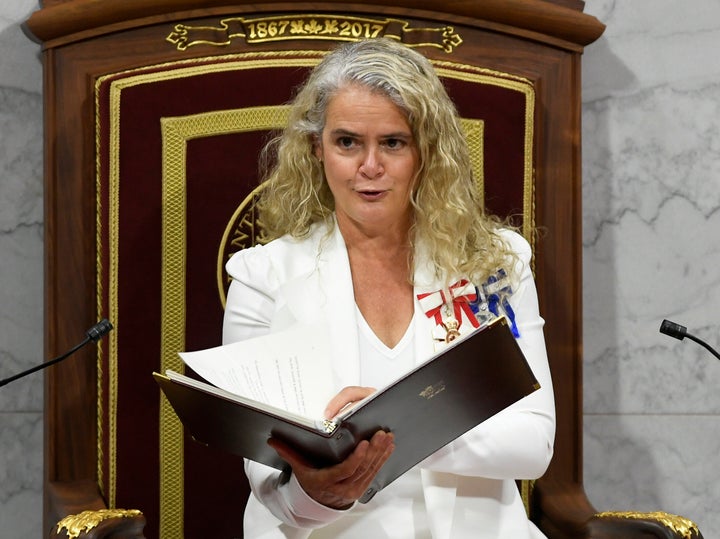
(516, 443)
(249, 310)
(286, 500)
(250, 300)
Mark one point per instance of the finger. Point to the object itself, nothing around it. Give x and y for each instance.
(302, 467)
(347, 396)
(379, 450)
(382, 447)
(338, 473)
(346, 470)
(329, 486)
(364, 463)
(345, 482)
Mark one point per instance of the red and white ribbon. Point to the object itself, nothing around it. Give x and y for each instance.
(459, 295)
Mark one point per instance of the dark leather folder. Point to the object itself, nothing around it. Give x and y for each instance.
(466, 383)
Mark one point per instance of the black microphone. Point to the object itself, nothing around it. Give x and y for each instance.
(94, 334)
(680, 332)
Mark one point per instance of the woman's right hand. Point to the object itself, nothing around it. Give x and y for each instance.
(347, 397)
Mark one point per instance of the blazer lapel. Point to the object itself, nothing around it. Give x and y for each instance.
(324, 296)
(425, 281)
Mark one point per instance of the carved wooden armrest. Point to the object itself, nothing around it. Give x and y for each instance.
(564, 511)
(630, 524)
(77, 510)
(101, 524)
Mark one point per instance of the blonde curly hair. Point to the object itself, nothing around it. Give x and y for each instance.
(449, 224)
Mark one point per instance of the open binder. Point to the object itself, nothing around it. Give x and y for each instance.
(472, 379)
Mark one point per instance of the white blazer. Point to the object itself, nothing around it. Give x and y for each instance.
(468, 487)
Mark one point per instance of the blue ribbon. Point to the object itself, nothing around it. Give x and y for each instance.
(496, 305)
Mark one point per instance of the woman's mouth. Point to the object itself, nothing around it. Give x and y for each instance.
(371, 194)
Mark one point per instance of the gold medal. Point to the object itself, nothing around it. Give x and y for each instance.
(451, 326)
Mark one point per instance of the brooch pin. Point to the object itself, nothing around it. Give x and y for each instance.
(451, 327)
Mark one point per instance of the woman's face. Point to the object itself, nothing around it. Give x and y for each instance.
(370, 160)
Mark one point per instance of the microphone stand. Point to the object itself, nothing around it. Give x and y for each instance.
(94, 334)
(680, 332)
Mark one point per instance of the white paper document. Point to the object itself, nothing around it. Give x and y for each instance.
(290, 370)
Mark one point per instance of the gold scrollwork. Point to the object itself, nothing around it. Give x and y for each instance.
(680, 525)
(87, 520)
(242, 231)
(327, 27)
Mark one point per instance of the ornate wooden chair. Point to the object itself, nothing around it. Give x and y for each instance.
(155, 115)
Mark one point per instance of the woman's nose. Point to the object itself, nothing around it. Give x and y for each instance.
(371, 165)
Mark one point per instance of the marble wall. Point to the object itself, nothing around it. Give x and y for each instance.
(651, 195)
(21, 274)
(651, 251)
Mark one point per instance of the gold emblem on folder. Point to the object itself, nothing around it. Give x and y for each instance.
(430, 391)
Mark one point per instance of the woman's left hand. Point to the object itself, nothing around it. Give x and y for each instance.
(341, 485)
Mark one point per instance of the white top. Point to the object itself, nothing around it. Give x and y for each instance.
(380, 365)
(467, 489)
(399, 509)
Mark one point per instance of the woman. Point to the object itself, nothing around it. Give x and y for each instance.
(369, 211)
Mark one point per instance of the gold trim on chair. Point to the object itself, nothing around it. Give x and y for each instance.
(240, 233)
(678, 524)
(475, 135)
(100, 352)
(177, 131)
(74, 525)
(172, 333)
(526, 490)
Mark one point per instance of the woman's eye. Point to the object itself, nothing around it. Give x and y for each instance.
(394, 143)
(345, 142)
